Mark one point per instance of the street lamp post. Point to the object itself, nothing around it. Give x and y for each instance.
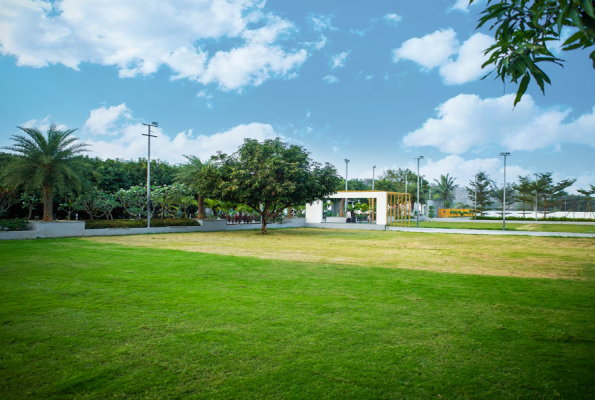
(475, 198)
(504, 193)
(346, 180)
(373, 176)
(418, 203)
(535, 197)
(149, 136)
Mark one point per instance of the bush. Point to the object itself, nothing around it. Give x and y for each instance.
(553, 219)
(140, 223)
(17, 224)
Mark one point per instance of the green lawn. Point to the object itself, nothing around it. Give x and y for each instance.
(526, 226)
(91, 320)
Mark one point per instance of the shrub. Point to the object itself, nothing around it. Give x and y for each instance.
(17, 224)
(125, 223)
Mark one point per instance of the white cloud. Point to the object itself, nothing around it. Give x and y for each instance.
(429, 51)
(330, 79)
(103, 120)
(467, 122)
(318, 45)
(138, 38)
(470, 57)
(392, 18)
(321, 22)
(338, 60)
(42, 125)
(130, 144)
(463, 5)
(369, 77)
(459, 63)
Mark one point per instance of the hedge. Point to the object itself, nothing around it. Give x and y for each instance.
(553, 219)
(17, 224)
(126, 223)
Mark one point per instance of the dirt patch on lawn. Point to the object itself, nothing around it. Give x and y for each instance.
(530, 257)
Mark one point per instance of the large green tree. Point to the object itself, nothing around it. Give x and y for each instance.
(525, 190)
(189, 175)
(497, 193)
(47, 162)
(445, 188)
(269, 177)
(548, 191)
(480, 186)
(524, 28)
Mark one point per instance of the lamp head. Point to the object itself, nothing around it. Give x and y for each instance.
(346, 160)
(504, 154)
(155, 124)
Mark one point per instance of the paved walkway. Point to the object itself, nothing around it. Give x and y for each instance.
(492, 232)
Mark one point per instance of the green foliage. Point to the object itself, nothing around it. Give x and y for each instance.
(8, 197)
(445, 189)
(269, 177)
(523, 29)
(497, 193)
(431, 212)
(17, 224)
(548, 191)
(47, 162)
(482, 183)
(525, 191)
(126, 223)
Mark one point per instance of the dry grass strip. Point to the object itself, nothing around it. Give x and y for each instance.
(520, 256)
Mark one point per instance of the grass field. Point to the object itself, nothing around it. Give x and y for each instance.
(97, 319)
(509, 226)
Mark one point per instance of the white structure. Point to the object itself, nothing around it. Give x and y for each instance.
(314, 211)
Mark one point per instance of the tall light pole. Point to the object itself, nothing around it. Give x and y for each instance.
(418, 203)
(149, 136)
(373, 176)
(504, 193)
(535, 197)
(346, 180)
(475, 197)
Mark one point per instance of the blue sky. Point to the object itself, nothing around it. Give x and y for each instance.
(378, 83)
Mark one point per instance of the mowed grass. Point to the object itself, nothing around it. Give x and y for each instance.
(509, 226)
(84, 319)
(520, 256)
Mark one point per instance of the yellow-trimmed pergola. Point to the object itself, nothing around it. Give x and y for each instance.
(386, 208)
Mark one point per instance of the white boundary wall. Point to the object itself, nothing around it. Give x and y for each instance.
(314, 211)
(43, 230)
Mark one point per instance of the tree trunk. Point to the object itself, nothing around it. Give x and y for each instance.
(263, 229)
(202, 213)
(47, 204)
(544, 207)
(342, 211)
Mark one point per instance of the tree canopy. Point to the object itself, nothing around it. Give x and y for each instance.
(480, 187)
(522, 31)
(548, 191)
(47, 162)
(445, 188)
(269, 177)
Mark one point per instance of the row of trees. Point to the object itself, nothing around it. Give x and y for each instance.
(265, 178)
(526, 191)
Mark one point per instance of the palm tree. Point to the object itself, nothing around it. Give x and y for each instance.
(445, 189)
(47, 162)
(188, 175)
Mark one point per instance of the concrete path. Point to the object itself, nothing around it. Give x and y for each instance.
(491, 232)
